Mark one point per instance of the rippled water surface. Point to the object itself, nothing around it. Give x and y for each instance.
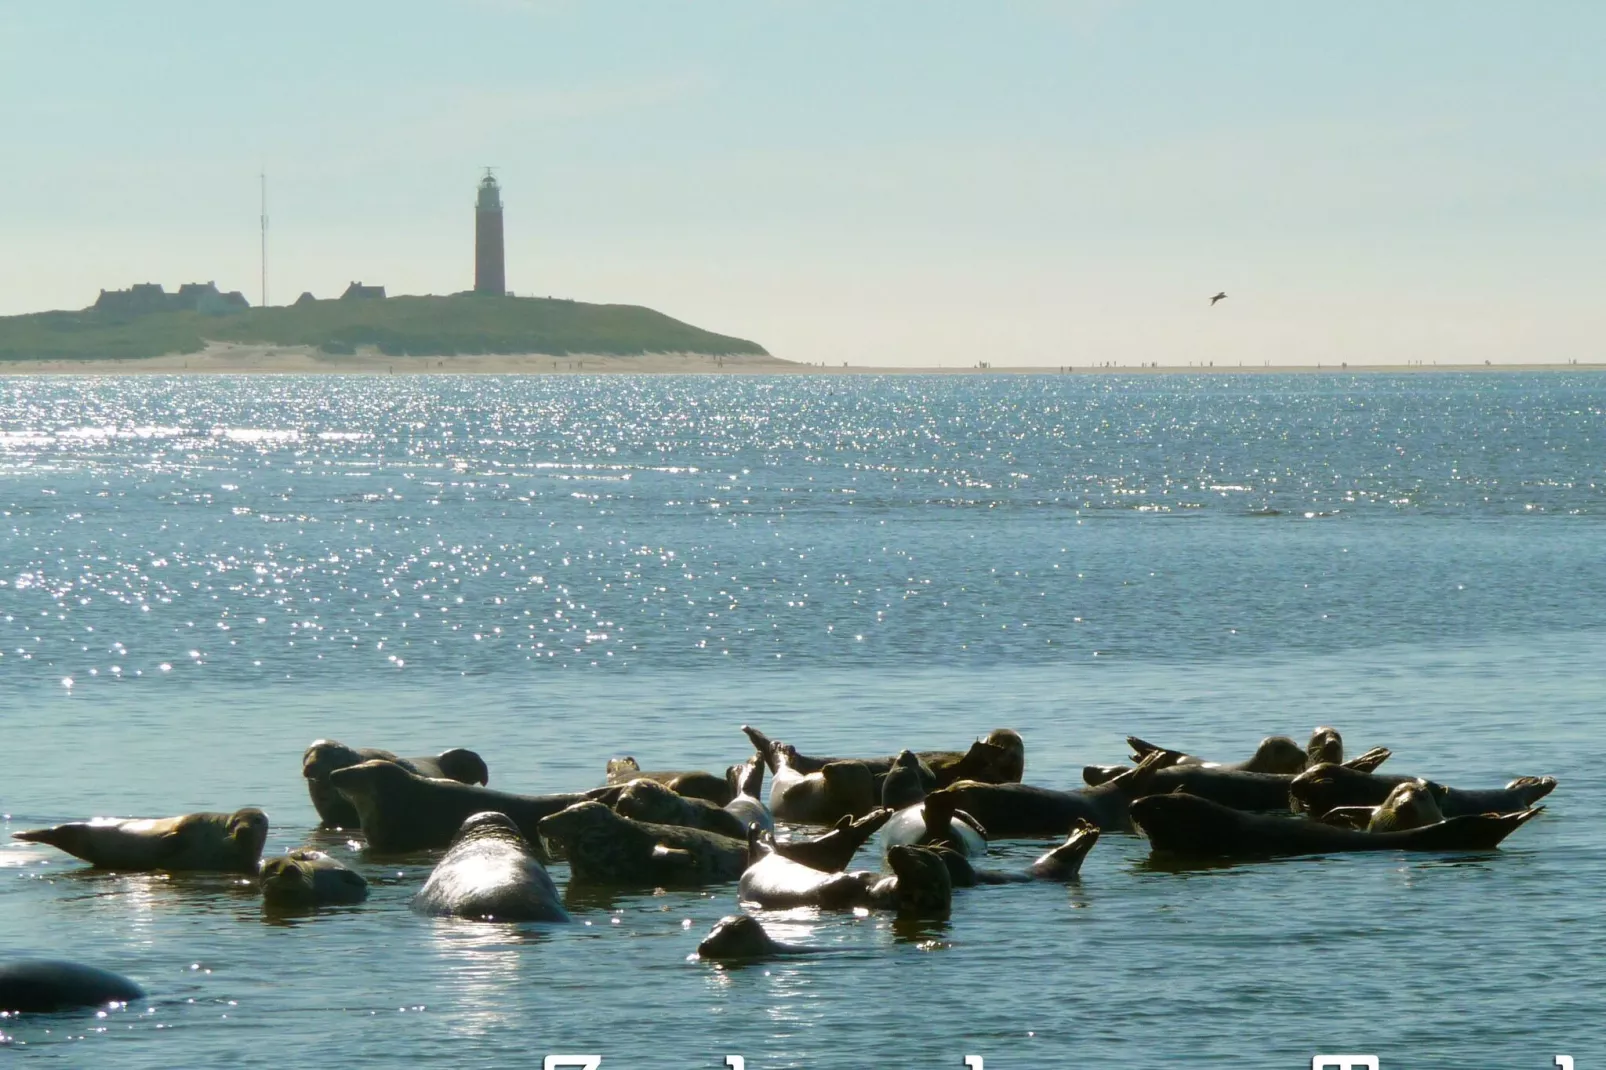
(198, 576)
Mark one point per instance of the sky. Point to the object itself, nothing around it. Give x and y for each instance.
(865, 182)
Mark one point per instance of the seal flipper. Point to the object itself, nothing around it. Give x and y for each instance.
(1094, 775)
(1348, 817)
(1141, 748)
(1369, 761)
(762, 744)
(1065, 861)
(1471, 832)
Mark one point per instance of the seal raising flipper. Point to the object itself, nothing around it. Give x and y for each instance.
(772, 880)
(212, 842)
(746, 805)
(833, 850)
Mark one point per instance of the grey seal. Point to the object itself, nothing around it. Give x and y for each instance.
(604, 847)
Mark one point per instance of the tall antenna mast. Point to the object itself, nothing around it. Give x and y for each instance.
(264, 177)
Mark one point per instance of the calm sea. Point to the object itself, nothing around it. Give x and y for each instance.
(199, 576)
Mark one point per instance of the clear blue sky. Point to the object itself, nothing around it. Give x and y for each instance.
(892, 183)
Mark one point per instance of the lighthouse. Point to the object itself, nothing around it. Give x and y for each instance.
(490, 276)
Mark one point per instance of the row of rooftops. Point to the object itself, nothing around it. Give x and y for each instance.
(205, 297)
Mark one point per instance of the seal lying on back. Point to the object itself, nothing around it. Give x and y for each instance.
(833, 850)
(1063, 863)
(771, 880)
(308, 878)
(999, 758)
(1183, 824)
(648, 800)
(607, 848)
(740, 936)
(693, 784)
(401, 811)
(220, 843)
(1327, 786)
(490, 873)
(840, 789)
(746, 781)
(45, 986)
(326, 755)
(937, 821)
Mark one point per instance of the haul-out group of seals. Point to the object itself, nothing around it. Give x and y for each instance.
(935, 811)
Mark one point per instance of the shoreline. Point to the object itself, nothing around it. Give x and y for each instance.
(234, 359)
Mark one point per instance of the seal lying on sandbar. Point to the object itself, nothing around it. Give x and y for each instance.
(308, 878)
(999, 758)
(740, 936)
(211, 842)
(607, 848)
(840, 789)
(326, 755)
(746, 781)
(1183, 824)
(1326, 787)
(490, 873)
(648, 800)
(1062, 863)
(771, 880)
(401, 811)
(1017, 810)
(833, 850)
(691, 783)
(45, 986)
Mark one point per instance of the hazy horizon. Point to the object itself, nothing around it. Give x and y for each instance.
(898, 184)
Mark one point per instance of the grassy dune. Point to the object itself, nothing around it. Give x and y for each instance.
(397, 326)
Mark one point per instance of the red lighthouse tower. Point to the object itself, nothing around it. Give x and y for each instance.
(490, 275)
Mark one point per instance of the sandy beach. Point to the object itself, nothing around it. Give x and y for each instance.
(233, 359)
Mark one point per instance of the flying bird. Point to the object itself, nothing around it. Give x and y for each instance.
(1218, 297)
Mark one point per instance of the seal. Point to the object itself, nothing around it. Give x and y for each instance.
(772, 880)
(307, 878)
(649, 800)
(608, 848)
(905, 783)
(839, 789)
(46, 986)
(1008, 811)
(490, 873)
(919, 885)
(327, 755)
(1275, 754)
(746, 781)
(740, 936)
(999, 758)
(1409, 806)
(693, 784)
(1186, 825)
(210, 842)
(401, 811)
(833, 850)
(937, 821)
(1062, 863)
(1327, 786)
